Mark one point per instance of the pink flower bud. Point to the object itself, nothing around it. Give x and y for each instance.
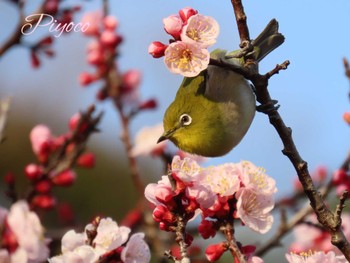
(186, 13)
(110, 22)
(206, 229)
(131, 80)
(86, 160)
(74, 121)
(43, 186)
(339, 177)
(110, 39)
(41, 139)
(157, 49)
(86, 78)
(94, 20)
(148, 105)
(65, 178)
(173, 25)
(33, 171)
(215, 251)
(95, 57)
(346, 117)
(44, 201)
(163, 194)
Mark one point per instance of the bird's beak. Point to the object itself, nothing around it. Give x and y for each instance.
(167, 134)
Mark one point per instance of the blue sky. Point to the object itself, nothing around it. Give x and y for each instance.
(312, 92)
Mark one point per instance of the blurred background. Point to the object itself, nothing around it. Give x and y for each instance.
(312, 92)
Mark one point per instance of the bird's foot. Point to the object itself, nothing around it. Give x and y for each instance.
(247, 49)
(268, 107)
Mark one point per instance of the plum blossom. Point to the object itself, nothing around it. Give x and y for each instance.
(109, 238)
(200, 30)
(136, 250)
(41, 138)
(186, 170)
(186, 59)
(192, 34)
(160, 191)
(146, 141)
(254, 210)
(29, 234)
(110, 235)
(315, 257)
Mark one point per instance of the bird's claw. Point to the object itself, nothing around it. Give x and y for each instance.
(268, 107)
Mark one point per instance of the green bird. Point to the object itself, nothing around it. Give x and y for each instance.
(212, 112)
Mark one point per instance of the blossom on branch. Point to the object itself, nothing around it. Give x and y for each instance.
(192, 34)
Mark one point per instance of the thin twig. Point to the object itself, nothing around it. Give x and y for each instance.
(228, 231)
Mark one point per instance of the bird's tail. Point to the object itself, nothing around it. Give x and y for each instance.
(268, 40)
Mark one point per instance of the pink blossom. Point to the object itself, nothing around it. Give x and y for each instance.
(186, 59)
(200, 30)
(41, 138)
(157, 49)
(173, 25)
(71, 240)
(255, 259)
(186, 13)
(81, 254)
(109, 38)
(315, 257)
(110, 22)
(131, 80)
(110, 235)
(146, 141)
(254, 210)
(223, 179)
(136, 250)
(159, 191)
(94, 20)
(255, 178)
(187, 170)
(28, 231)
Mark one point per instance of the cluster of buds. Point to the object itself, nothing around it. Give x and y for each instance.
(219, 194)
(192, 33)
(56, 157)
(103, 241)
(62, 16)
(101, 53)
(21, 235)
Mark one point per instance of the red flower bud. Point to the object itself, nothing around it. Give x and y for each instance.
(206, 229)
(157, 49)
(148, 104)
(44, 201)
(86, 78)
(110, 22)
(33, 171)
(215, 251)
(43, 186)
(8, 239)
(46, 41)
(65, 178)
(339, 177)
(34, 59)
(133, 218)
(186, 13)
(86, 160)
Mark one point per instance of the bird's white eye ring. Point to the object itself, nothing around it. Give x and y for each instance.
(185, 119)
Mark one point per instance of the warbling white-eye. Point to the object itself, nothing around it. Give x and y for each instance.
(213, 111)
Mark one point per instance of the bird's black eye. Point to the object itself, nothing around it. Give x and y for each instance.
(185, 119)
